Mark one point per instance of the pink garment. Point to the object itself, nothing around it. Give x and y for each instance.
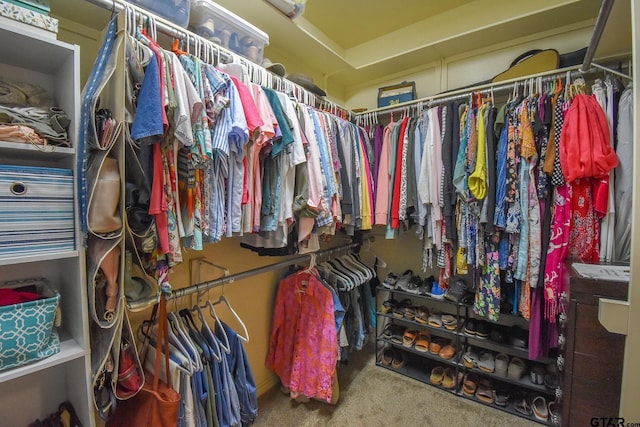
(265, 133)
(316, 199)
(303, 349)
(382, 188)
(251, 113)
(557, 251)
(584, 236)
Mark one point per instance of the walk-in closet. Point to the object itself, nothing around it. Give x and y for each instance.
(318, 213)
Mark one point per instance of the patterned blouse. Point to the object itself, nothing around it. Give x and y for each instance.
(303, 349)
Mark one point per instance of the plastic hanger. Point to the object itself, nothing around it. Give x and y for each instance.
(361, 273)
(356, 277)
(176, 323)
(224, 299)
(343, 282)
(197, 337)
(347, 279)
(212, 311)
(180, 353)
(369, 272)
(206, 331)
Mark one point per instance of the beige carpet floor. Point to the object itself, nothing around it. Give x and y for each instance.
(374, 396)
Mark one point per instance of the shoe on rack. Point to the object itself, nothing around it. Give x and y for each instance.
(449, 380)
(516, 368)
(456, 291)
(482, 330)
(470, 383)
(502, 364)
(388, 306)
(409, 337)
(436, 291)
(387, 356)
(399, 309)
(470, 327)
(398, 359)
(427, 285)
(449, 321)
(422, 315)
(390, 281)
(518, 337)
(470, 358)
(487, 362)
(484, 391)
(537, 374)
(501, 397)
(423, 340)
(413, 287)
(468, 298)
(554, 413)
(540, 410)
(437, 374)
(447, 352)
(403, 281)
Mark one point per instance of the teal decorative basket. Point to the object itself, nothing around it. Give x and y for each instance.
(27, 329)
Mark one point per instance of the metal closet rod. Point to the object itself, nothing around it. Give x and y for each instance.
(204, 286)
(601, 22)
(460, 93)
(172, 30)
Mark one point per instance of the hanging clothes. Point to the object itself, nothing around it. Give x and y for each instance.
(303, 343)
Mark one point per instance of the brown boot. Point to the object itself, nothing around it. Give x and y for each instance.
(110, 267)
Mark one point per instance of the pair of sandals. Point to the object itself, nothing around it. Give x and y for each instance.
(439, 320)
(393, 333)
(483, 389)
(392, 357)
(444, 377)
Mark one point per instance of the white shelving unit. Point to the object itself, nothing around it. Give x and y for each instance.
(35, 390)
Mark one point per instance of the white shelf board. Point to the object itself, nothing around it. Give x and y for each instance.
(45, 256)
(69, 350)
(47, 152)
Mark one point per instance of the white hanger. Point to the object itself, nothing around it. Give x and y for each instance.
(208, 334)
(224, 299)
(360, 265)
(342, 279)
(188, 365)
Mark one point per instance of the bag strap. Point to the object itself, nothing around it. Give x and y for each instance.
(163, 343)
(524, 55)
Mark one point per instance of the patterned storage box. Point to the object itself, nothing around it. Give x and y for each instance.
(27, 329)
(20, 17)
(36, 210)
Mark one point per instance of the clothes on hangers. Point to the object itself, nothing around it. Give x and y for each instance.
(506, 194)
(233, 159)
(303, 343)
(321, 314)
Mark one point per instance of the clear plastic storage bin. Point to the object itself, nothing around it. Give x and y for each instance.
(218, 25)
(176, 11)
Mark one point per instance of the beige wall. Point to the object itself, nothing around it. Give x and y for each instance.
(463, 70)
(251, 298)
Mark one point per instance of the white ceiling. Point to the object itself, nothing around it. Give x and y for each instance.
(344, 43)
(353, 41)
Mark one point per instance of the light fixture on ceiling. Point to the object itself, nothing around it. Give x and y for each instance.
(291, 8)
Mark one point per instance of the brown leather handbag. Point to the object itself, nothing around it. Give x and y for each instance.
(104, 215)
(157, 404)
